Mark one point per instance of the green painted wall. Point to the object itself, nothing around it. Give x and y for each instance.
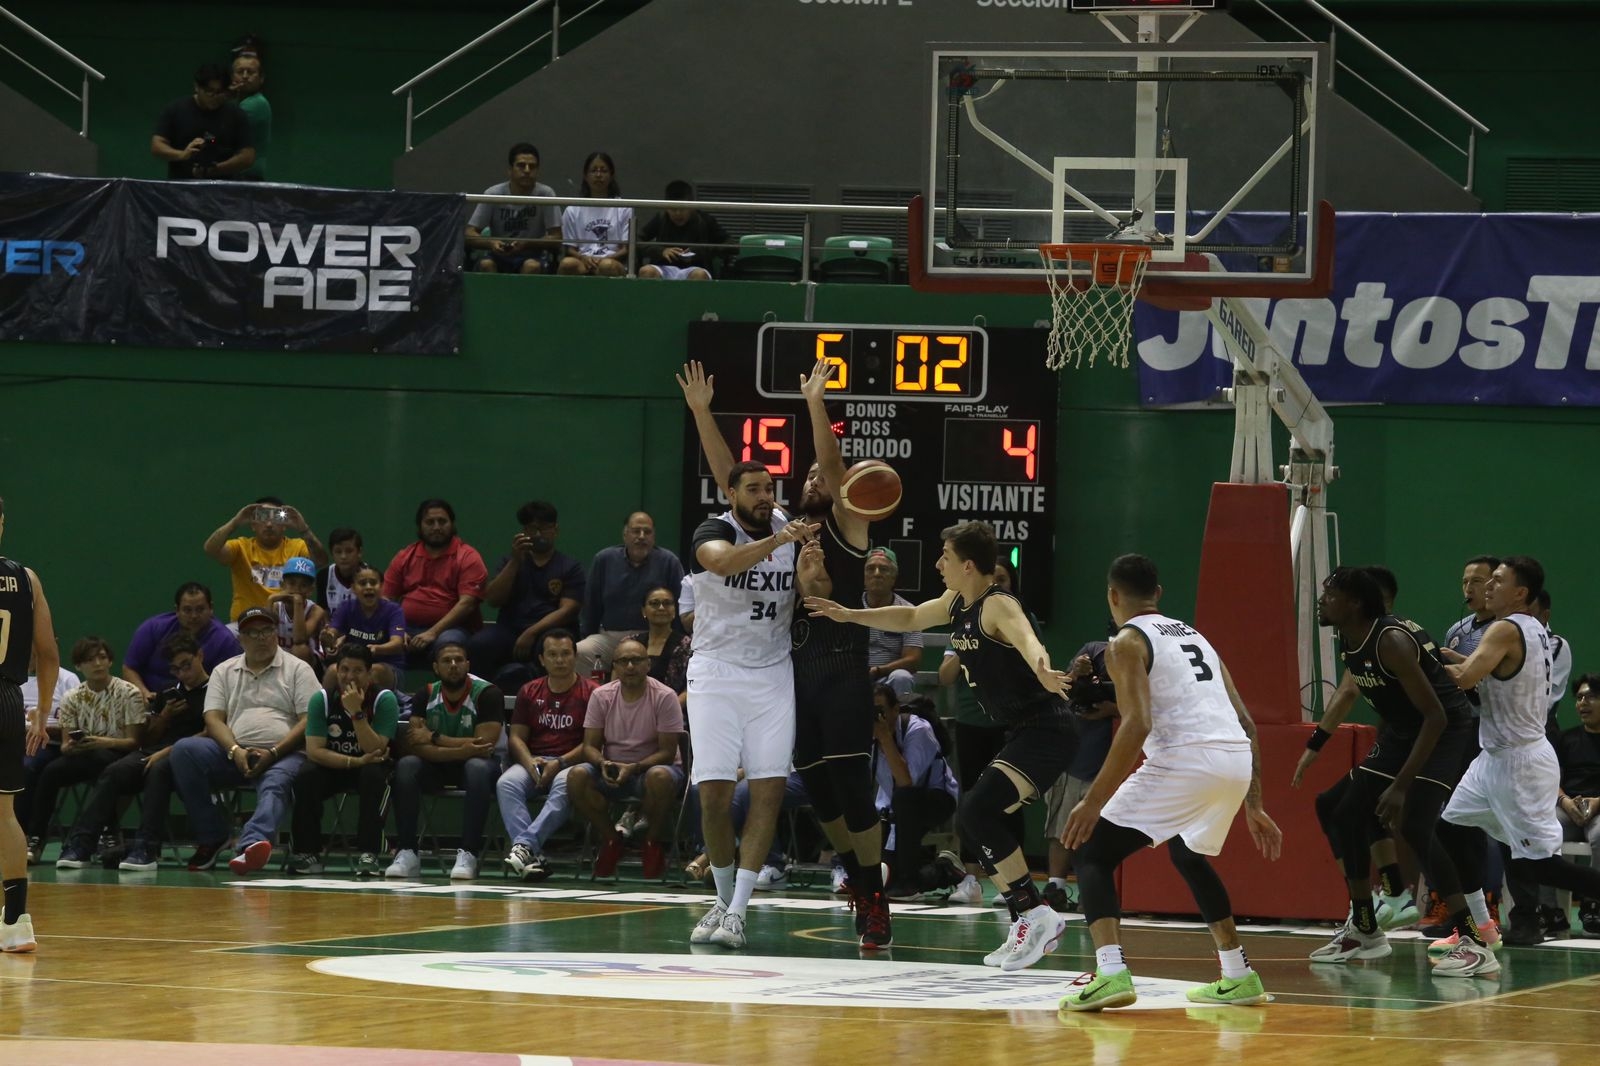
(115, 464)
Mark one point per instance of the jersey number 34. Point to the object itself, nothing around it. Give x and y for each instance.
(760, 609)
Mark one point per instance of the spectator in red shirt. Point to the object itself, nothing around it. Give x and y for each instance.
(437, 581)
(546, 741)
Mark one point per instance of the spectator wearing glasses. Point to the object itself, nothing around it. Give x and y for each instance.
(146, 664)
(255, 717)
(512, 235)
(630, 740)
(595, 238)
(204, 134)
(667, 645)
(176, 712)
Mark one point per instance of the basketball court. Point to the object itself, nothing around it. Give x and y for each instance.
(211, 968)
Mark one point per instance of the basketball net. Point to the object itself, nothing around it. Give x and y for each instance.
(1092, 292)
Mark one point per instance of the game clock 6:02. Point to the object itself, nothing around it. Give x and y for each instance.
(942, 364)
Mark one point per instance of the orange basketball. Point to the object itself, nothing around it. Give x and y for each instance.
(871, 489)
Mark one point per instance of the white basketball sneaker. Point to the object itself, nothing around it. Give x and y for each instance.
(730, 934)
(998, 955)
(710, 923)
(17, 938)
(1037, 934)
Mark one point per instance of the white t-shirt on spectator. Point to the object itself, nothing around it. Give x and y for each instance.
(596, 231)
(66, 681)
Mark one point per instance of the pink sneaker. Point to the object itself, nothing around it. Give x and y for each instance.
(1489, 933)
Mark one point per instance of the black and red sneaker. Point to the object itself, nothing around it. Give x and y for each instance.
(872, 921)
(204, 857)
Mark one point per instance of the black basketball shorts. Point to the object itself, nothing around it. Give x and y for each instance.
(13, 737)
(1040, 748)
(832, 706)
(1446, 763)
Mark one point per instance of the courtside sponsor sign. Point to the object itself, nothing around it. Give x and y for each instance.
(716, 978)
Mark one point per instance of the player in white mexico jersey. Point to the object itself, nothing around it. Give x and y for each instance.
(741, 677)
(1177, 703)
(1511, 788)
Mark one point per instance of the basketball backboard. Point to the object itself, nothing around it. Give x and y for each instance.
(1206, 154)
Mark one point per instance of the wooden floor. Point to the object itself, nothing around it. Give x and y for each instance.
(224, 966)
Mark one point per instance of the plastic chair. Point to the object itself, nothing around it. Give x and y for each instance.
(856, 260)
(767, 257)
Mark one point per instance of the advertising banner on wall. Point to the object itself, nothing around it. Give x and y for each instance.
(1425, 309)
(230, 265)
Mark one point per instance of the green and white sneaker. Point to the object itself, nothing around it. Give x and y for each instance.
(1093, 991)
(1231, 991)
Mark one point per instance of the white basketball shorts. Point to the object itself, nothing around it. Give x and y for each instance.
(1511, 795)
(740, 716)
(1192, 793)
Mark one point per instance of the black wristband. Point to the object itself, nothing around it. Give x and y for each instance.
(1319, 736)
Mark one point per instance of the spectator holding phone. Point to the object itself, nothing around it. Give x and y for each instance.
(630, 749)
(175, 712)
(686, 232)
(256, 562)
(100, 721)
(510, 234)
(255, 717)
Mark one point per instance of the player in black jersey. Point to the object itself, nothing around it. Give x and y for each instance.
(25, 632)
(1016, 686)
(833, 690)
(1406, 779)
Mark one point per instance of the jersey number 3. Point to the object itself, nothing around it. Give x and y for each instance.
(1197, 659)
(760, 609)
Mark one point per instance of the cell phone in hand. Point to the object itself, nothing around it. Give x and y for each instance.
(251, 758)
(76, 736)
(612, 771)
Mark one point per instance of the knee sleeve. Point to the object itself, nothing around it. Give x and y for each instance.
(856, 792)
(983, 820)
(1201, 877)
(820, 791)
(1463, 847)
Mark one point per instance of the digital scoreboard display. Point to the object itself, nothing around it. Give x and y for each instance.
(966, 415)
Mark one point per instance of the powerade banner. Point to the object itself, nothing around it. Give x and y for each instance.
(1445, 308)
(229, 265)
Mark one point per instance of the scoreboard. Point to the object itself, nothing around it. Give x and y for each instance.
(967, 416)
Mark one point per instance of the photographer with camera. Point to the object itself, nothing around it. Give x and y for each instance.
(537, 589)
(1094, 701)
(256, 562)
(917, 791)
(204, 135)
(630, 749)
(175, 712)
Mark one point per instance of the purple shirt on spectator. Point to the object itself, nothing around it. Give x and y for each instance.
(217, 643)
(388, 622)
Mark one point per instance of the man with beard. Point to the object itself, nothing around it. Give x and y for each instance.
(437, 581)
(1406, 778)
(741, 679)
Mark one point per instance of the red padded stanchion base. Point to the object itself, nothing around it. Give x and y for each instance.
(1304, 883)
(1245, 600)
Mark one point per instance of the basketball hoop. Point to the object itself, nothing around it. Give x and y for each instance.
(1092, 292)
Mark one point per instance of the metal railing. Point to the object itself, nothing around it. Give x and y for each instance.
(553, 35)
(806, 210)
(82, 96)
(1337, 26)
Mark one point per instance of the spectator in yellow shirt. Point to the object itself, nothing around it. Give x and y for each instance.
(256, 562)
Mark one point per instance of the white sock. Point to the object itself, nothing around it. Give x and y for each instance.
(1108, 960)
(1234, 964)
(744, 887)
(723, 876)
(1479, 908)
(1059, 882)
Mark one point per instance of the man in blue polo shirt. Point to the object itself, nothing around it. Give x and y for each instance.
(619, 578)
